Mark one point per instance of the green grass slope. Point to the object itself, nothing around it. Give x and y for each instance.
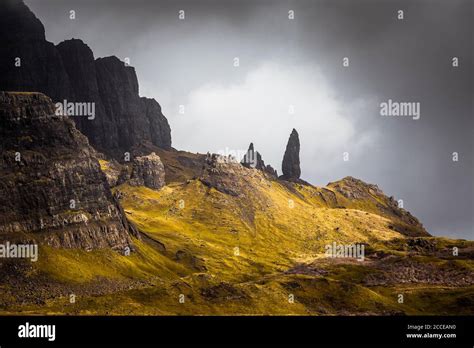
(221, 239)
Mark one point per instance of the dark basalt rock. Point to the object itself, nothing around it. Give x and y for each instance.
(19, 23)
(52, 189)
(69, 72)
(79, 63)
(123, 120)
(270, 170)
(160, 130)
(253, 159)
(41, 68)
(291, 159)
(78, 60)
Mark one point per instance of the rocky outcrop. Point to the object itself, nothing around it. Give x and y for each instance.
(357, 193)
(271, 171)
(123, 120)
(148, 171)
(52, 189)
(356, 189)
(291, 159)
(219, 173)
(253, 159)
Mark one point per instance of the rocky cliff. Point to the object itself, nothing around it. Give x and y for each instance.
(28, 62)
(122, 121)
(52, 189)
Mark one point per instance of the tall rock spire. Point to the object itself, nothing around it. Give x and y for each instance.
(253, 159)
(291, 159)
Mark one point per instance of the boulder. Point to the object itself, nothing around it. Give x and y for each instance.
(148, 171)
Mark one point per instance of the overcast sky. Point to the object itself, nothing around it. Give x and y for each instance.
(297, 65)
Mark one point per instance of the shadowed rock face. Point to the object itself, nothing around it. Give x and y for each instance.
(28, 62)
(291, 159)
(123, 121)
(52, 189)
(253, 159)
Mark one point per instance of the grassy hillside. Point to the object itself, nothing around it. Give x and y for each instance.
(224, 239)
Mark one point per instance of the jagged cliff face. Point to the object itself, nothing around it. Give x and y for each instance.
(52, 189)
(123, 120)
(28, 62)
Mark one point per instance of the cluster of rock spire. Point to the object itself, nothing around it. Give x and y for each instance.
(291, 159)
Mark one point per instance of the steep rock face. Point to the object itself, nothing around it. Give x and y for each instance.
(52, 189)
(79, 63)
(159, 128)
(253, 159)
(123, 121)
(291, 159)
(118, 86)
(28, 62)
(19, 23)
(148, 171)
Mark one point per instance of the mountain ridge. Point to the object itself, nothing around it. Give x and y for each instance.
(69, 71)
